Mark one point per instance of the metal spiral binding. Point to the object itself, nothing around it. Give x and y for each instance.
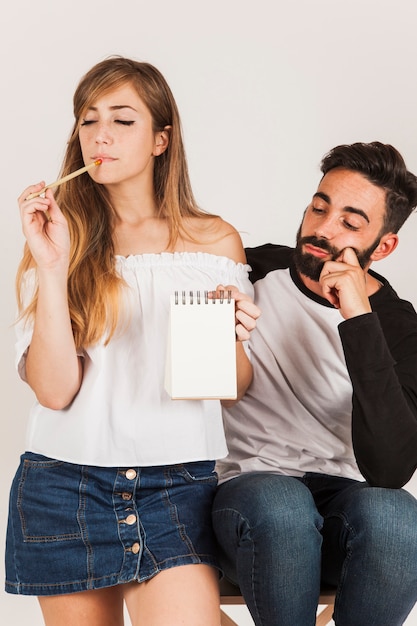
(198, 297)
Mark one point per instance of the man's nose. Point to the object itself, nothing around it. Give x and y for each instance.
(326, 229)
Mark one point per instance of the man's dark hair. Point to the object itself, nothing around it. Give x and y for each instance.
(383, 166)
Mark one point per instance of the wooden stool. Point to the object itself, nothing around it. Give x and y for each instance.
(230, 594)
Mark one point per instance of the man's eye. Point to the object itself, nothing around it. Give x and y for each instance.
(316, 209)
(350, 226)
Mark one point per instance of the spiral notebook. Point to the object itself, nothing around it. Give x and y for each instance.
(201, 351)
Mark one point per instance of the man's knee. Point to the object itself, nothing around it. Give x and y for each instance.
(388, 516)
(264, 503)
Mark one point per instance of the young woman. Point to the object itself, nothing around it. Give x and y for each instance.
(116, 484)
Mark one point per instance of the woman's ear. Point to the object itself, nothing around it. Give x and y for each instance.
(387, 244)
(161, 141)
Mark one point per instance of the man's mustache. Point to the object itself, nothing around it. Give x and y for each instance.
(322, 244)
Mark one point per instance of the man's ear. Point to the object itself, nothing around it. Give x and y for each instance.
(387, 244)
(161, 141)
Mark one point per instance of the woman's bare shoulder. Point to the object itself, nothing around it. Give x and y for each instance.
(214, 235)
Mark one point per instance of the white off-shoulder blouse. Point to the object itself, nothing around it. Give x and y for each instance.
(122, 415)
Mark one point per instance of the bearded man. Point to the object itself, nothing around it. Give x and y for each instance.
(326, 435)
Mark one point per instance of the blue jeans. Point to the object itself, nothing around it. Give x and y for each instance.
(281, 537)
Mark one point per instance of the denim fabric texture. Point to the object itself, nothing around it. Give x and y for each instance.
(281, 536)
(73, 528)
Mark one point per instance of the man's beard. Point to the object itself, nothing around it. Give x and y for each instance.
(311, 266)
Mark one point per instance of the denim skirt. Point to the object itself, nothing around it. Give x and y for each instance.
(74, 527)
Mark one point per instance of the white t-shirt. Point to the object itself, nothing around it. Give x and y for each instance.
(122, 414)
(296, 415)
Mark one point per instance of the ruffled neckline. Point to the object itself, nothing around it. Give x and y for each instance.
(178, 258)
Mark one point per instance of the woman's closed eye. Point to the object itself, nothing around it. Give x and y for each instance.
(122, 122)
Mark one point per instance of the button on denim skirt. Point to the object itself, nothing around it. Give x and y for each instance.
(74, 527)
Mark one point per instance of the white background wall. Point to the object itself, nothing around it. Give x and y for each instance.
(264, 88)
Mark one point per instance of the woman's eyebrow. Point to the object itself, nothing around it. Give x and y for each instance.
(114, 107)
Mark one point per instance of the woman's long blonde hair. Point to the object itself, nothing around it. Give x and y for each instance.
(93, 284)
